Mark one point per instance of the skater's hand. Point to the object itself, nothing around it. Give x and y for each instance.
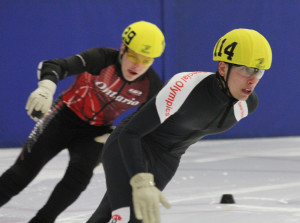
(146, 198)
(40, 100)
(104, 137)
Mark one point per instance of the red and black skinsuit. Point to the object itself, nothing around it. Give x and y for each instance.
(83, 111)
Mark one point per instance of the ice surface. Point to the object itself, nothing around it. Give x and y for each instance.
(262, 174)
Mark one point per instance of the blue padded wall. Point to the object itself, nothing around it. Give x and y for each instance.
(31, 31)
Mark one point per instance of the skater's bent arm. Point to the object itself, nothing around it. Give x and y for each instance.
(92, 61)
(146, 120)
(142, 123)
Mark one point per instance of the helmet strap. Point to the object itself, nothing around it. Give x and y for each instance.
(227, 91)
(224, 82)
(121, 55)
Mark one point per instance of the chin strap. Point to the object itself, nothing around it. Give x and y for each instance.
(223, 82)
(121, 55)
(225, 88)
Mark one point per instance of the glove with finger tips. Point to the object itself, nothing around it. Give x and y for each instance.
(146, 198)
(40, 100)
(103, 138)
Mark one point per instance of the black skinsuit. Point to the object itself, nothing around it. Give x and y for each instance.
(85, 110)
(153, 140)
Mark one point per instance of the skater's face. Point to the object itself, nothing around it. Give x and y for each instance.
(242, 80)
(133, 64)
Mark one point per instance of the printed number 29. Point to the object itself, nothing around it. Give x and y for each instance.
(229, 50)
(129, 35)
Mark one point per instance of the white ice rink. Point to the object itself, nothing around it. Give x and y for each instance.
(263, 175)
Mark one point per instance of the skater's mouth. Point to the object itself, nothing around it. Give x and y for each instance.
(132, 72)
(247, 91)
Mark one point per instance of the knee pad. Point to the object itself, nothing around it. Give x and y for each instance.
(121, 215)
